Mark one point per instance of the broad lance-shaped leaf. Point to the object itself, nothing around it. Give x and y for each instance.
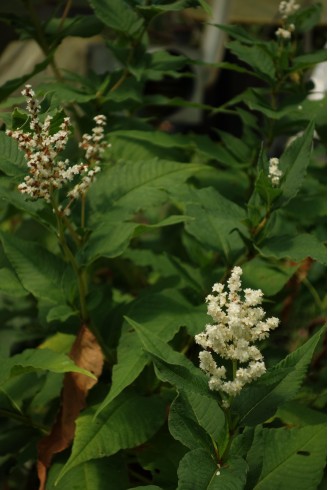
(170, 365)
(293, 458)
(39, 271)
(196, 420)
(198, 470)
(163, 314)
(138, 185)
(293, 163)
(38, 359)
(295, 248)
(260, 400)
(126, 423)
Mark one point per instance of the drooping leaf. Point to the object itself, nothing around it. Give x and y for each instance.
(12, 161)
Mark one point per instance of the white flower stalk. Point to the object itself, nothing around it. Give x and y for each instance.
(47, 172)
(239, 322)
(285, 33)
(274, 172)
(288, 8)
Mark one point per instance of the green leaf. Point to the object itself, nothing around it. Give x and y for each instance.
(127, 422)
(196, 420)
(308, 60)
(39, 271)
(90, 475)
(118, 15)
(38, 359)
(294, 413)
(293, 163)
(292, 458)
(199, 470)
(10, 284)
(295, 248)
(258, 57)
(259, 401)
(171, 366)
(162, 314)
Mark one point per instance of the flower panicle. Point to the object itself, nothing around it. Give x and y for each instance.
(47, 172)
(275, 173)
(239, 322)
(286, 9)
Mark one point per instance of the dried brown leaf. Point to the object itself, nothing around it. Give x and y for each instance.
(87, 354)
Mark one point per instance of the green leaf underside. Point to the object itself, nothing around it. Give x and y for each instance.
(127, 422)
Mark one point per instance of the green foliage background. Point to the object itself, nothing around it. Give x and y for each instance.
(169, 215)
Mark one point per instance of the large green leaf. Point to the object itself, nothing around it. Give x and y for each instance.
(127, 422)
(292, 458)
(39, 271)
(295, 248)
(162, 314)
(199, 470)
(259, 401)
(118, 15)
(38, 359)
(91, 475)
(10, 284)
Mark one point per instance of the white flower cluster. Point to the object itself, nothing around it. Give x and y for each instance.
(286, 9)
(274, 172)
(46, 171)
(285, 33)
(238, 323)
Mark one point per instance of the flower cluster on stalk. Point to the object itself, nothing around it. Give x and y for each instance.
(239, 322)
(274, 172)
(47, 172)
(286, 8)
